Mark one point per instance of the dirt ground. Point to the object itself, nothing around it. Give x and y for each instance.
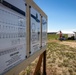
(71, 44)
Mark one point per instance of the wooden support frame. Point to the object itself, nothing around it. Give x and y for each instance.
(17, 69)
(28, 29)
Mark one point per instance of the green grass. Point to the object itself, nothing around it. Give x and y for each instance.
(52, 36)
(55, 36)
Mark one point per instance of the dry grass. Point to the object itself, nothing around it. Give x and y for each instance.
(61, 59)
(69, 43)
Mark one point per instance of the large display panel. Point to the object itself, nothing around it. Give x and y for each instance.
(44, 31)
(35, 30)
(12, 38)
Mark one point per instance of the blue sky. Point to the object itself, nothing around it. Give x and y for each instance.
(61, 14)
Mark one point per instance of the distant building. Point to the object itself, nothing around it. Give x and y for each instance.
(75, 35)
(70, 34)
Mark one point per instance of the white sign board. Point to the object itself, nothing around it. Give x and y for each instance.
(35, 30)
(44, 31)
(12, 38)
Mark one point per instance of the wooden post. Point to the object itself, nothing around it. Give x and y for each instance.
(44, 63)
(38, 67)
